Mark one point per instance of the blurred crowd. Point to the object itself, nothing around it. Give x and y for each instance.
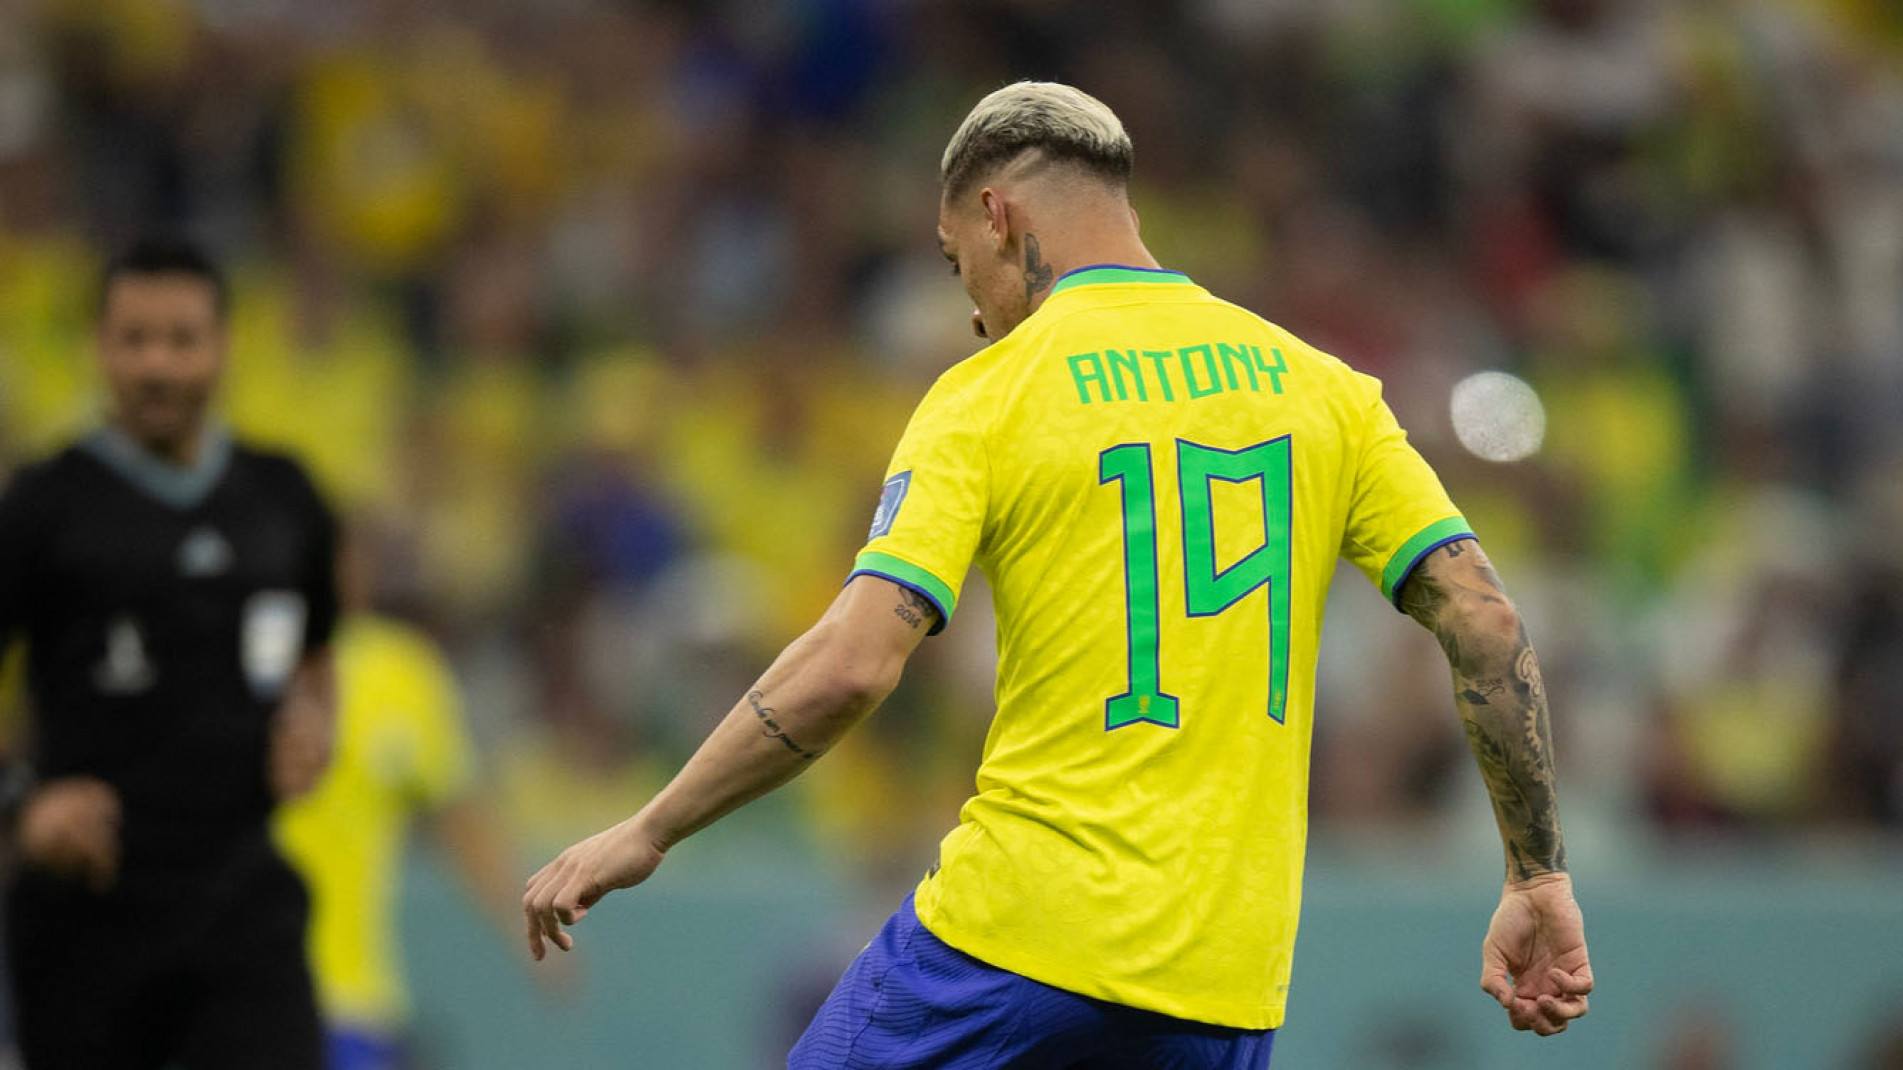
(599, 319)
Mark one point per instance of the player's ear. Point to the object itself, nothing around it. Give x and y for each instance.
(997, 219)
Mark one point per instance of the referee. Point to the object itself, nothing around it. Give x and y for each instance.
(176, 593)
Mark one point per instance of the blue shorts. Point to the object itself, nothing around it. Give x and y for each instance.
(912, 1001)
(348, 1048)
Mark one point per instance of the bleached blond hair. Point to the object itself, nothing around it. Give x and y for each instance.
(1065, 123)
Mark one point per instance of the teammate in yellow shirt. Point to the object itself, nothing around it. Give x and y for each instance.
(401, 758)
(1157, 485)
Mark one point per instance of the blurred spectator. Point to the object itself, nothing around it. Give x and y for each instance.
(402, 759)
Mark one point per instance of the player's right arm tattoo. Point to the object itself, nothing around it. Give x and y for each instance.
(1502, 700)
(914, 608)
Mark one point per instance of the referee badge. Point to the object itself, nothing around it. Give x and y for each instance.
(273, 638)
(890, 499)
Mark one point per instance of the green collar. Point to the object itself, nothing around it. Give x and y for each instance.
(1103, 274)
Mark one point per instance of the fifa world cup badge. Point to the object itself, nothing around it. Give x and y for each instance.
(890, 499)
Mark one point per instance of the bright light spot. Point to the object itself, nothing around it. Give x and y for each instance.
(1498, 417)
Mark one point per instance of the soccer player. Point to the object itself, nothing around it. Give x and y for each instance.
(403, 758)
(176, 594)
(1157, 484)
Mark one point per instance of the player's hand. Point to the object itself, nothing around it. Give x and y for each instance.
(1534, 959)
(300, 747)
(69, 827)
(562, 892)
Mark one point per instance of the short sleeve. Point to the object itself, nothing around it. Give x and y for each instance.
(932, 508)
(320, 573)
(443, 756)
(1399, 513)
(17, 564)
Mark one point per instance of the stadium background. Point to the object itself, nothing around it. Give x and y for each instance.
(601, 319)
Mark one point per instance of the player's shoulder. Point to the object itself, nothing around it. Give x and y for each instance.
(275, 469)
(1294, 348)
(267, 461)
(390, 639)
(49, 478)
(388, 654)
(963, 382)
(1346, 381)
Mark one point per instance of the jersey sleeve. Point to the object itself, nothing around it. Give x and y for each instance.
(17, 565)
(1399, 512)
(320, 572)
(932, 507)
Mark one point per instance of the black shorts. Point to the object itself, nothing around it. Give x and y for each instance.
(201, 969)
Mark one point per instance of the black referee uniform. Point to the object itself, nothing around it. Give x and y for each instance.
(165, 610)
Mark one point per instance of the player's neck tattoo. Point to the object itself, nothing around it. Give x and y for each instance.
(1038, 275)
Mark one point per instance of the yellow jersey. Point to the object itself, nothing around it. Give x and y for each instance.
(400, 750)
(1157, 484)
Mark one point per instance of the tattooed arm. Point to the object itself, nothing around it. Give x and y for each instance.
(817, 689)
(1457, 595)
(1534, 960)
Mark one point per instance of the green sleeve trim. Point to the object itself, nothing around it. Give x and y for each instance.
(1426, 541)
(906, 574)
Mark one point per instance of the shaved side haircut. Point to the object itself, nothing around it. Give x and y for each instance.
(1064, 124)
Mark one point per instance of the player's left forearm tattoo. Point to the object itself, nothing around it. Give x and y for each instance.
(771, 728)
(914, 608)
(1502, 700)
(1038, 275)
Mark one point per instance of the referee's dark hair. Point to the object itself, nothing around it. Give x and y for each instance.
(165, 255)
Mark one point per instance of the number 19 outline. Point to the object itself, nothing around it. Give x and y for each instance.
(1207, 591)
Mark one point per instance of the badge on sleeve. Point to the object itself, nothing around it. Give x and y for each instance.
(890, 499)
(272, 640)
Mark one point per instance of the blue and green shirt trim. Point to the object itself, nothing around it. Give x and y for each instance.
(906, 574)
(1114, 274)
(1415, 550)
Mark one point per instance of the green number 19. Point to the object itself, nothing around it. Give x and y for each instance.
(1207, 591)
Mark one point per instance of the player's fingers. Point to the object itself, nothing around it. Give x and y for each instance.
(1571, 982)
(545, 915)
(1524, 1014)
(1498, 988)
(1565, 1009)
(542, 924)
(1493, 975)
(551, 929)
(1550, 1016)
(536, 950)
(567, 901)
